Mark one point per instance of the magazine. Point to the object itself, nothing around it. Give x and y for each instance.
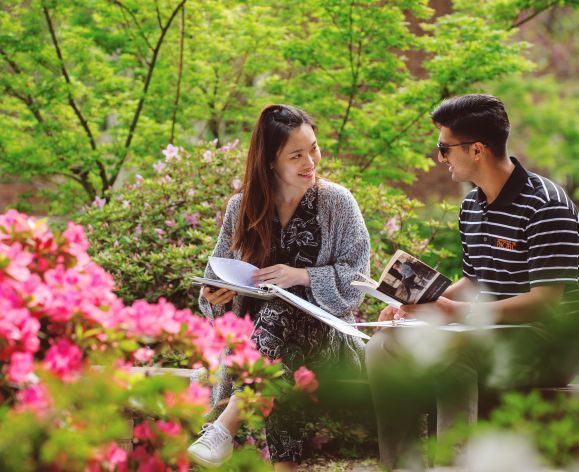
(406, 280)
(238, 276)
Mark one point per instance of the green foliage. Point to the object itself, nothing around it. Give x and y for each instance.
(550, 424)
(547, 113)
(91, 87)
(155, 234)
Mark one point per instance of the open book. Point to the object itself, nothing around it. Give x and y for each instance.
(238, 276)
(405, 281)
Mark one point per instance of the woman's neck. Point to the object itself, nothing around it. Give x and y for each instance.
(289, 195)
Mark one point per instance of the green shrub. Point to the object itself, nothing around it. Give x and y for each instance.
(156, 233)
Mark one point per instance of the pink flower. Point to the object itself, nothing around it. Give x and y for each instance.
(21, 367)
(422, 246)
(166, 179)
(159, 166)
(170, 152)
(234, 328)
(34, 397)
(197, 395)
(243, 356)
(229, 146)
(392, 226)
(236, 184)
(306, 380)
(193, 220)
(15, 260)
(143, 355)
(169, 427)
(64, 359)
(116, 457)
(207, 156)
(149, 461)
(143, 431)
(214, 142)
(77, 240)
(139, 179)
(160, 232)
(191, 193)
(99, 202)
(170, 223)
(266, 406)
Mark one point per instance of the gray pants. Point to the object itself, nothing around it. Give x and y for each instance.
(412, 369)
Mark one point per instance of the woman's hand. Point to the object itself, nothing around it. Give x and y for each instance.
(219, 296)
(283, 276)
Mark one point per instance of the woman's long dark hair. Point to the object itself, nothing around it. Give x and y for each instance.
(253, 235)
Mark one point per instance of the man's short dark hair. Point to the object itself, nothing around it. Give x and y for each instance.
(476, 117)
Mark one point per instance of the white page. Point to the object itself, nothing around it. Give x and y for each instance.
(251, 292)
(454, 327)
(365, 287)
(317, 312)
(393, 323)
(457, 327)
(233, 271)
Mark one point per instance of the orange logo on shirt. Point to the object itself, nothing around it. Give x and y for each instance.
(506, 244)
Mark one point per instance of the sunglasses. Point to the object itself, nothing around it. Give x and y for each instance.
(444, 148)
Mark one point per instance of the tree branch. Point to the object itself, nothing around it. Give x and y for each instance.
(84, 123)
(532, 15)
(123, 7)
(141, 102)
(158, 14)
(71, 101)
(30, 104)
(395, 138)
(10, 62)
(354, 72)
(180, 74)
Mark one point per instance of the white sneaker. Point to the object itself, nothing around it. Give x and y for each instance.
(213, 448)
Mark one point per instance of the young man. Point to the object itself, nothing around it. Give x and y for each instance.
(520, 241)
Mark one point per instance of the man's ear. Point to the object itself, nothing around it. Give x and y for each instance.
(478, 149)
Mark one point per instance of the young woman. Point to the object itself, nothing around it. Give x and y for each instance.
(308, 236)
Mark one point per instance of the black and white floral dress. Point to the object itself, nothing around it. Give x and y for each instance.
(284, 332)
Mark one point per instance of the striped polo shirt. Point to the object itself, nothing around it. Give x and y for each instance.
(527, 237)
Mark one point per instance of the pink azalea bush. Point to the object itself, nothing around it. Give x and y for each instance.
(60, 316)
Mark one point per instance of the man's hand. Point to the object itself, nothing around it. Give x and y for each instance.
(450, 309)
(218, 297)
(283, 276)
(391, 313)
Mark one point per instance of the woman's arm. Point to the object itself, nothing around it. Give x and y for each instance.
(222, 249)
(330, 285)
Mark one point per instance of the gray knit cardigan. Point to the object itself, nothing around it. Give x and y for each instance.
(344, 251)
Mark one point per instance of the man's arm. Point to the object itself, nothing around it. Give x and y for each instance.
(463, 289)
(524, 308)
